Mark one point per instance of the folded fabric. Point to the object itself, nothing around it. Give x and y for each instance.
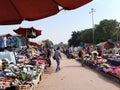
(39, 61)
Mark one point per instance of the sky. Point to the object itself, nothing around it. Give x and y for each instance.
(58, 28)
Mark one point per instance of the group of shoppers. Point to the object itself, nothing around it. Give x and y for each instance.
(48, 53)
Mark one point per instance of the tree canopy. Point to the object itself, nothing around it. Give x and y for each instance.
(47, 41)
(106, 29)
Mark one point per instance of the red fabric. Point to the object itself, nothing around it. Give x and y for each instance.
(118, 72)
(40, 61)
(72, 4)
(107, 70)
(34, 44)
(36, 9)
(8, 14)
(15, 11)
(8, 35)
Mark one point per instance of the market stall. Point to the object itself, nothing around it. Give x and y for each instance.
(110, 65)
(19, 69)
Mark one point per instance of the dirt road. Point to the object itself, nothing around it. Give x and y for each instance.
(74, 77)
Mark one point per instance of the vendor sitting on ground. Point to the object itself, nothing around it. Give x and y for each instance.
(94, 55)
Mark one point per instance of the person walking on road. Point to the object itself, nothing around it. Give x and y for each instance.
(57, 58)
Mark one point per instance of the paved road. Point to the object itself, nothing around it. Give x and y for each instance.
(74, 77)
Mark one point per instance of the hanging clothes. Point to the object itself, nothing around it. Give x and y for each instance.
(24, 41)
(5, 40)
(2, 45)
(18, 42)
(10, 41)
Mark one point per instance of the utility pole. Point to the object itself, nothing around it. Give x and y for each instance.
(92, 12)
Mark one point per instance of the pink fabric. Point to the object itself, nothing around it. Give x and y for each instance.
(115, 69)
(22, 60)
(38, 61)
(107, 69)
(118, 72)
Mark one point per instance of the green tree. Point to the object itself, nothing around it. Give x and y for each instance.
(75, 39)
(106, 30)
(47, 41)
(86, 36)
(102, 32)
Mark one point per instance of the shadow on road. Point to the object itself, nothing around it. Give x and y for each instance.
(49, 70)
(108, 78)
